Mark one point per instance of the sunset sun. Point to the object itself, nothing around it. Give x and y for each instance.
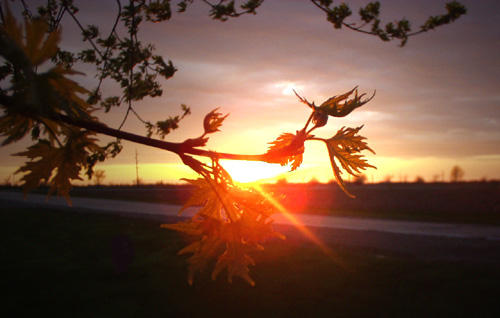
(251, 171)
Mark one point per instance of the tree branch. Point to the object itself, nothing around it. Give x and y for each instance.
(178, 148)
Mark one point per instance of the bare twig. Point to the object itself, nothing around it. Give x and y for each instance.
(83, 29)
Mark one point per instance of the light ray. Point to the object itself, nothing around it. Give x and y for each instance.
(301, 227)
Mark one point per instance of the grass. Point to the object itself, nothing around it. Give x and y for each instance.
(60, 263)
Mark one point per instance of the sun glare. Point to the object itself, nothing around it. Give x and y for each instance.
(253, 171)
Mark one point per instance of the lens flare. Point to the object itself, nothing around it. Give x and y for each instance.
(301, 227)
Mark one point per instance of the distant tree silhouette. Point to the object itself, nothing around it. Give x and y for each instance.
(419, 179)
(282, 181)
(313, 181)
(99, 176)
(387, 179)
(7, 181)
(360, 179)
(456, 174)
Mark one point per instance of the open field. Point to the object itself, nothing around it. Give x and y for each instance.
(440, 202)
(61, 263)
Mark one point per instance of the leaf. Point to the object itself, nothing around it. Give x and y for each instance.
(164, 127)
(35, 42)
(39, 94)
(184, 227)
(56, 166)
(345, 146)
(304, 100)
(340, 106)
(236, 262)
(14, 127)
(63, 93)
(287, 148)
(213, 121)
(203, 196)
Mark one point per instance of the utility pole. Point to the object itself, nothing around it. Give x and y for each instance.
(136, 168)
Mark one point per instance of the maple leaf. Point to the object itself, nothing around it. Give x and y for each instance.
(56, 166)
(345, 146)
(39, 94)
(36, 43)
(203, 196)
(66, 91)
(287, 148)
(236, 262)
(213, 121)
(14, 127)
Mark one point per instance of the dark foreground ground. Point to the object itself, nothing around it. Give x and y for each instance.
(67, 264)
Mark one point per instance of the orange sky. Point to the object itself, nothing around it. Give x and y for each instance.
(437, 102)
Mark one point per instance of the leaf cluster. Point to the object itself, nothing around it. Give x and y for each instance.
(121, 57)
(344, 147)
(225, 9)
(32, 103)
(371, 23)
(230, 225)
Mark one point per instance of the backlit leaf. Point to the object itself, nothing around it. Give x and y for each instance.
(36, 43)
(287, 148)
(345, 147)
(56, 166)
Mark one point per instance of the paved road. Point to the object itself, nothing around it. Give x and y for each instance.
(419, 239)
(346, 223)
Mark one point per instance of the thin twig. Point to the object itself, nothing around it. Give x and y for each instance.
(137, 115)
(126, 116)
(308, 121)
(83, 29)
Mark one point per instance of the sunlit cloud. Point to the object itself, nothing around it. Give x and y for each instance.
(287, 87)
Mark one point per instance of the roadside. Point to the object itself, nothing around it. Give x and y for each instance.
(423, 240)
(464, 203)
(451, 230)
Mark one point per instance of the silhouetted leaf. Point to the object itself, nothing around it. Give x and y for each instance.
(340, 106)
(213, 121)
(56, 166)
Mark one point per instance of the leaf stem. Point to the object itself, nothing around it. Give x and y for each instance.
(308, 121)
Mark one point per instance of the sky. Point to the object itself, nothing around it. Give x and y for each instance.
(437, 100)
